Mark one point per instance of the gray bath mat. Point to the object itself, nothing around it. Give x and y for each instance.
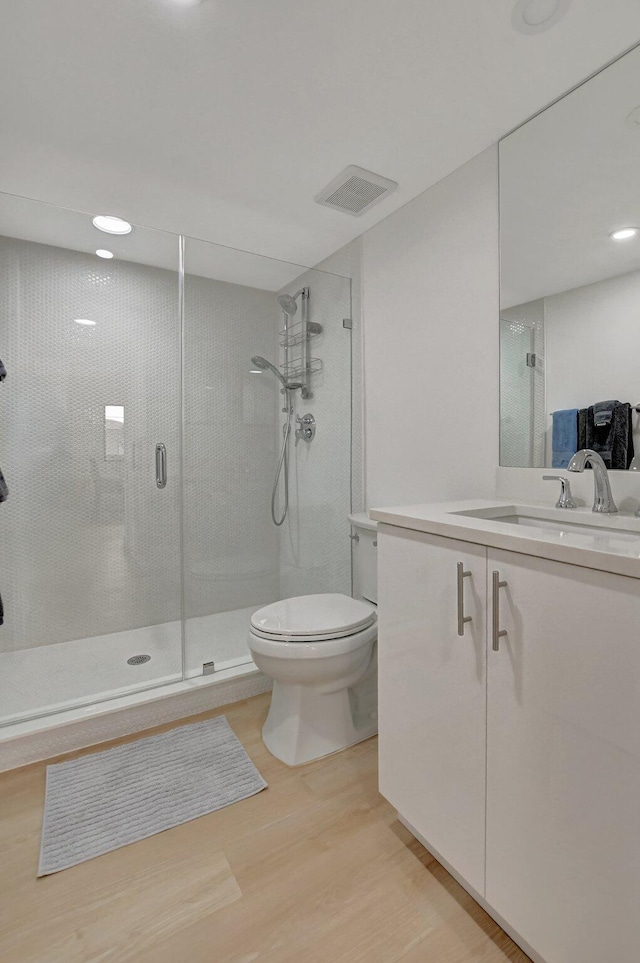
(106, 800)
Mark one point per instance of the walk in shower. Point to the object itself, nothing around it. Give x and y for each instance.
(140, 444)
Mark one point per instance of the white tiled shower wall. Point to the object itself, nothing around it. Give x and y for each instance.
(315, 549)
(89, 546)
(230, 441)
(522, 397)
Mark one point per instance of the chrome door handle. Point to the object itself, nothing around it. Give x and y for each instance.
(497, 631)
(161, 465)
(462, 618)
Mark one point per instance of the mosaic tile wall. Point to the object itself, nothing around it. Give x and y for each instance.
(315, 549)
(89, 545)
(230, 441)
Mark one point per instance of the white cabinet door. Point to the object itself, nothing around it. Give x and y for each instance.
(563, 766)
(432, 692)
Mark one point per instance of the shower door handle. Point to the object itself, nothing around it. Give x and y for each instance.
(161, 465)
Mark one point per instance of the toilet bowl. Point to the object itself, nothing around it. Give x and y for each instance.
(320, 652)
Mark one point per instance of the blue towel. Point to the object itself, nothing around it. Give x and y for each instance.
(565, 436)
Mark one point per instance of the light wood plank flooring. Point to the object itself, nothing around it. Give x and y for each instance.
(316, 869)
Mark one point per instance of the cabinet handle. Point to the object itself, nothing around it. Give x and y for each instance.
(161, 465)
(462, 618)
(497, 631)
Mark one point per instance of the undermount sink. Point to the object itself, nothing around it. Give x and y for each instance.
(564, 522)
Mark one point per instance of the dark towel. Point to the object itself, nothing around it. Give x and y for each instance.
(3, 375)
(582, 429)
(4, 491)
(564, 436)
(603, 412)
(613, 441)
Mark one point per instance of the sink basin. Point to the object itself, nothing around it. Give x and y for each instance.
(607, 529)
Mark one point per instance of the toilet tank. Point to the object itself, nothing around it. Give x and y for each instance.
(365, 557)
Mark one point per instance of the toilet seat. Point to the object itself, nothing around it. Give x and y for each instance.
(312, 618)
(314, 649)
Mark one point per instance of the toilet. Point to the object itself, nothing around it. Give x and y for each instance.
(320, 651)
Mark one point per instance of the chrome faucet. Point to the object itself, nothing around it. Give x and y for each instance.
(602, 497)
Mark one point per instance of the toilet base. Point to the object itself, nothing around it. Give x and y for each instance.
(305, 723)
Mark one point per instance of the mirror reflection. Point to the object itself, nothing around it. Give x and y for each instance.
(570, 277)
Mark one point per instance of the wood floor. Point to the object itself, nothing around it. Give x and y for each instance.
(316, 869)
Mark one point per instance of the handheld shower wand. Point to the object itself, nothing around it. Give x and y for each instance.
(263, 365)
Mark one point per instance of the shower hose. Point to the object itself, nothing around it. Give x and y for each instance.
(282, 464)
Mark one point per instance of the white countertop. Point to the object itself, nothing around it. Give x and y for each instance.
(613, 546)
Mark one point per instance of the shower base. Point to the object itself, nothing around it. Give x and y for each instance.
(105, 701)
(54, 678)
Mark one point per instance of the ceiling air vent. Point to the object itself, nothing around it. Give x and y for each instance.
(355, 191)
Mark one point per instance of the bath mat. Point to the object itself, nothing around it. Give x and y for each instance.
(108, 799)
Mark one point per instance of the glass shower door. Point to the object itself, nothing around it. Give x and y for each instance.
(516, 394)
(236, 331)
(90, 567)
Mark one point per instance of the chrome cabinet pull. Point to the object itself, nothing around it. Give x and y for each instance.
(161, 465)
(462, 618)
(497, 631)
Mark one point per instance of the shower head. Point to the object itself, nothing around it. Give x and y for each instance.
(288, 304)
(265, 365)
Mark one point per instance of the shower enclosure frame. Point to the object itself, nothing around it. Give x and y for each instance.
(243, 678)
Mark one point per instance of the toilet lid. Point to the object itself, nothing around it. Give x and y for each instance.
(313, 617)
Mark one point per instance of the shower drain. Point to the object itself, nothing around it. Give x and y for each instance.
(138, 659)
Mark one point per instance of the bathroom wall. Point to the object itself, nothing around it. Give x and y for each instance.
(430, 282)
(593, 345)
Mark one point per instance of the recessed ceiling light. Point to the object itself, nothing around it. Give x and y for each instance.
(624, 233)
(255, 371)
(84, 321)
(535, 16)
(186, 3)
(111, 225)
(102, 253)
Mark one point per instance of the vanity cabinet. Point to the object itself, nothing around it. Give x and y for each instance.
(555, 715)
(563, 760)
(432, 692)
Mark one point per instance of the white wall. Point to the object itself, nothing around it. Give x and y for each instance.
(593, 345)
(430, 282)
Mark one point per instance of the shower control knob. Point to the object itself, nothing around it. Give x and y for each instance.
(307, 429)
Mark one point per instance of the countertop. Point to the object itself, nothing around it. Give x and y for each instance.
(614, 545)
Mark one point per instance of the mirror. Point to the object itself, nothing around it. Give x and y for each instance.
(570, 281)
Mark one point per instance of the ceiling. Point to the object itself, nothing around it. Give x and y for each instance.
(224, 120)
(568, 179)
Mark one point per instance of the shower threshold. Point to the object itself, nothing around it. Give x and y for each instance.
(51, 679)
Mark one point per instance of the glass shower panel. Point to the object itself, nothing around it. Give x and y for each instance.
(516, 394)
(314, 544)
(235, 558)
(90, 569)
